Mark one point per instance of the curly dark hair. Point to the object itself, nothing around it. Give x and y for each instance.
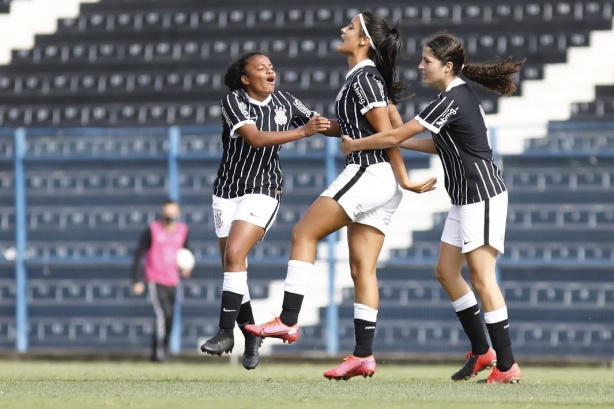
(495, 75)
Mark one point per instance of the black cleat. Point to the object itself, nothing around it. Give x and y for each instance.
(250, 355)
(221, 342)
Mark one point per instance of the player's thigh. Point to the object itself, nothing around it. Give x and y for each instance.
(323, 217)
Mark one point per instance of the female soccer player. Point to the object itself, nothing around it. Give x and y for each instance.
(475, 228)
(247, 192)
(363, 197)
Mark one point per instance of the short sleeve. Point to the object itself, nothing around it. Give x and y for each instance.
(301, 113)
(369, 91)
(442, 111)
(235, 112)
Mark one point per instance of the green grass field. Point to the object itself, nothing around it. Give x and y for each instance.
(211, 384)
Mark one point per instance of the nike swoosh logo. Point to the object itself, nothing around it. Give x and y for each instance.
(255, 215)
(282, 332)
(225, 310)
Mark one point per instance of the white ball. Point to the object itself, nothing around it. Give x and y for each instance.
(185, 259)
(10, 253)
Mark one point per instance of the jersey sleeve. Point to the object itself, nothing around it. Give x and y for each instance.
(440, 112)
(301, 114)
(370, 92)
(235, 112)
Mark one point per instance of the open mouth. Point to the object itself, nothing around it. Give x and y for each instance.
(271, 80)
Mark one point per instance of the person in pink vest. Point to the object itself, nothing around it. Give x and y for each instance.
(159, 244)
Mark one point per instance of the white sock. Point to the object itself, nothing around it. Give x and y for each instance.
(298, 277)
(365, 313)
(466, 301)
(245, 295)
(495, 316)
(235, 282)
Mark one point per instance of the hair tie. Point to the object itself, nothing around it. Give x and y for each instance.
(364, 28)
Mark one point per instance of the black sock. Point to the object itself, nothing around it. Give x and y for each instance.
(502, 344)
(364, 332)
(474, 328)
(231, 303)
(290, 308)
(246, 316)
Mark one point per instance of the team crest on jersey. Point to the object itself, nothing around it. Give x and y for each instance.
(218, 220)
(280, 116)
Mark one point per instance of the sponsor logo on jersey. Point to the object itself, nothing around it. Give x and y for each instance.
(280, 116)
(381, 89)
(359, 93)
(449, 113)
(226, 117)
(299, 105)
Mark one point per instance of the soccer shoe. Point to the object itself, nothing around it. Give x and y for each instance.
(512, 375)
(353, 366)
(221, 342)
(475, 364)
(275, 329)
(250, 354)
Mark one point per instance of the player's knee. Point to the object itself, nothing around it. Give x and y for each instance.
(442, 276)
(301, 234)
(234, 257)
(481, 284)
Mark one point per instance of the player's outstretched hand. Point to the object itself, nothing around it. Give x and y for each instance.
(316, 124)
(346, 145)
(420, 187)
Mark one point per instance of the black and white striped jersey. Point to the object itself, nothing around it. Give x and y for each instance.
(364, 89)
(244, 169)
(456, 121)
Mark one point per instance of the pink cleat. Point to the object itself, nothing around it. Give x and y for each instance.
(353, 366)
(512, 375)
(475, 364)
(275, 329)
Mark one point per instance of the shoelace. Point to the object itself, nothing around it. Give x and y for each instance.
(274, 321)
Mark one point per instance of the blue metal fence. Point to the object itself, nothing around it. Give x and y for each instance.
(561, 294)
(173, 158)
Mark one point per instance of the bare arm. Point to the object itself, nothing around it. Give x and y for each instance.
(380, 120)
(395, 117)
(426, 145)
(382, 140)
(259, 139)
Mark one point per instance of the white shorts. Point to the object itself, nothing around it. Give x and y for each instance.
(477, 224)
(369, 195)
(257, 209)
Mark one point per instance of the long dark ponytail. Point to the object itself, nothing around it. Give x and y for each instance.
(236, 69)
(387, 42)
(495, 75)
